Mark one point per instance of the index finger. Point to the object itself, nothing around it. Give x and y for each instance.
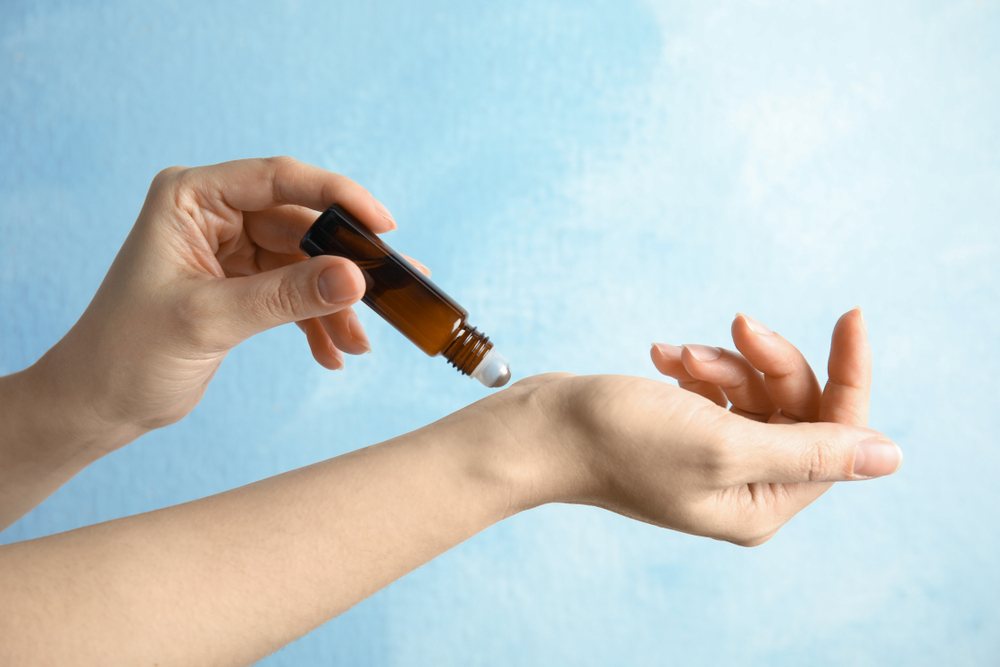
(845, 398)
(262, 183)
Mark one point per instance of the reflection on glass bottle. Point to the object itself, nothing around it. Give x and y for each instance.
(407, 299)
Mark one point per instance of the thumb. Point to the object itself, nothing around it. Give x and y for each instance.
(299, 291)
(818, 452)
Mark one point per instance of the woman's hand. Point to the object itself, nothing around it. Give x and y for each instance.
(213, 259)
(677, 458)
(229, 578)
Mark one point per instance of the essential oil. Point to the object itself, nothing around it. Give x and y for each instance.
(406, 298)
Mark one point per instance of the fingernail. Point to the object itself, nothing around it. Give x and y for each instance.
(667, 351)
(877, 458)
(861, 314)
(338, 357)
(704, 352)
(421, 267)
(337, 284)
(754, 325)
(384, 212)
(357, 332)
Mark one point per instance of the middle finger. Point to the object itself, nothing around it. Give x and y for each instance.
(788, 376)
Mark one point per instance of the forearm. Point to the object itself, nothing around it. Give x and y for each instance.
(47, 435)
(231, 578)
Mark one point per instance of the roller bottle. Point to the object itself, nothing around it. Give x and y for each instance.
(406, 298)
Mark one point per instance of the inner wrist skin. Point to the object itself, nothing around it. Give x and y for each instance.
(69, 414)
(513, 444)
(49, 432)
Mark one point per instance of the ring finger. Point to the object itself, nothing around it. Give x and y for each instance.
(742, 383)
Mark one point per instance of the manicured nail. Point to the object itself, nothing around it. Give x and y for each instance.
(704, 352)
(337, 284)
(384, 212)
(422, 268)
(358, 333)
(861, 314)
(754, 325)
(668, 351)
(877, 458)
(338, 358)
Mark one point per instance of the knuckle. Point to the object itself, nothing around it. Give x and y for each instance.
(167, 175)
(190, 317)
(713, 466)
(281, 161)
(822, 460)
(717, 463)
(183, 186)
(277, 166)
(785, 364)
(167, 183)
(286, 299)
(849, 413)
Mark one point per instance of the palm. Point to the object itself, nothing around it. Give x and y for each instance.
(769, 381)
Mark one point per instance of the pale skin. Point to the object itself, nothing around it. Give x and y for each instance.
(228, 579)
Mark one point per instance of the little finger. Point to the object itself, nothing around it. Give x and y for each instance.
(346, 332)
(742, 384)
(667, 359)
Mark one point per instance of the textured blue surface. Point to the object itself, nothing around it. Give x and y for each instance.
(585, 177)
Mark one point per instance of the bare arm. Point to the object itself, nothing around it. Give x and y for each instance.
(228, 579)
(46, 437)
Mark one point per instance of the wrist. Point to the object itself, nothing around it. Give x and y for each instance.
(516, 444)
(566, 438)
(65, 416)
(36, 454)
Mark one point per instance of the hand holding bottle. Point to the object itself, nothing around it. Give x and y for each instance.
(213, 259)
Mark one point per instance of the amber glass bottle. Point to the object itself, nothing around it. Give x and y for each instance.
(407, 299)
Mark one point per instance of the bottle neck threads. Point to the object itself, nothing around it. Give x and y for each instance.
(467, 349)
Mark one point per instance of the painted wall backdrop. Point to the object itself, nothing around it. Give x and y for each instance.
(586, 178)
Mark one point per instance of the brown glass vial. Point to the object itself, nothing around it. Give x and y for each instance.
(406, 298)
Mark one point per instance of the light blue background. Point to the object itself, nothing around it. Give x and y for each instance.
(586, 178)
